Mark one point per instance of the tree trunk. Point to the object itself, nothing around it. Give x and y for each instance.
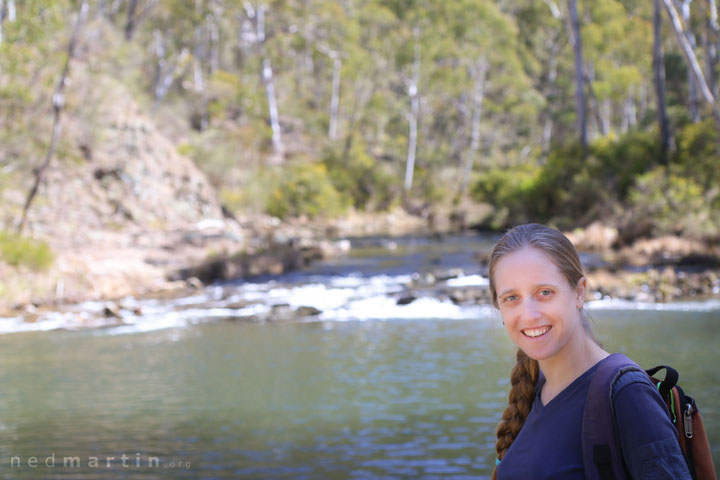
(692, 60)
(267, 75)
(131, 20)
(2, 19)
(688, 52)
(712, 46)
(58, 104)
(257, 16)
(166, 70)
(214, 42)
(335, 98)
(693, 97)
(600, 120)
(198, 50)
(547, 121)
(666, 139)
(11, 14)
(629, 114)
(479, 72)
(199, 54)
(414, 113)
(579, 83)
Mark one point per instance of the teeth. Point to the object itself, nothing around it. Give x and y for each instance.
(536, 332)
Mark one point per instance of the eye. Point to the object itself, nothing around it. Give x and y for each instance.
(510, 298)
(545, 292)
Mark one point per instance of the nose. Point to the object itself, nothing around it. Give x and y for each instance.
(530, 311)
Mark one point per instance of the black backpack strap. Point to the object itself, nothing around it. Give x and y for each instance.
(671, 379)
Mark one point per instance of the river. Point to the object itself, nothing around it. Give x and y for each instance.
(365, 390)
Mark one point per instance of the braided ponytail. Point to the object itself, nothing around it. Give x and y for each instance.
(523, 379)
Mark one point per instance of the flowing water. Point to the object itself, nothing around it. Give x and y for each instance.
(352, 394)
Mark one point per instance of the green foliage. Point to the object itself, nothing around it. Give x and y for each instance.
(365, 182)
(698, 153)
(18, 251)
(663, 202)
(500, 70)
(510, 189)
(572, 186)
(305, 189)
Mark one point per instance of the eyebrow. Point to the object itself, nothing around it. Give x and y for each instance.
(505, 292)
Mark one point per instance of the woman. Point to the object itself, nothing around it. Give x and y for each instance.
(537, 283)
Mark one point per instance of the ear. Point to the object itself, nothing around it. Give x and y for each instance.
(580, 290)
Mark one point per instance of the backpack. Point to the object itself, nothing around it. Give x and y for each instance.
(600, 446)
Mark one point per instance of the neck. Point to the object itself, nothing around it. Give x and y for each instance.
(564, 367)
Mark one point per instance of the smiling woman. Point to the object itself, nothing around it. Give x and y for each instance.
(537, 283)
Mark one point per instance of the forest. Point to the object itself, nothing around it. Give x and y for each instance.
(562, 112)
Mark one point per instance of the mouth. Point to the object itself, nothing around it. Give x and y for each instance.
(536, 332)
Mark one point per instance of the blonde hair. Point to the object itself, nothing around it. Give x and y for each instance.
(524, 376)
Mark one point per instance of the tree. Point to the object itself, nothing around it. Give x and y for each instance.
(666, 138)
(253, 31)
(691, 59)
(579, 77)
(58, 100)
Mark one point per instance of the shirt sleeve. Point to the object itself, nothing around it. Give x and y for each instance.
(648, 439)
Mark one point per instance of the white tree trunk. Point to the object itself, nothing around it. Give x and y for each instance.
(414, 113)
(166, 70)
(479, 72)
(267, 75)
(579, 83)
(629, 119)
(713, 47)
(666, 140)
(257, 16)
(688, 52)
(693, 96)
(11, 10)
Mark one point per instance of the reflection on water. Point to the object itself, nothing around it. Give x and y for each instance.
(398, 399)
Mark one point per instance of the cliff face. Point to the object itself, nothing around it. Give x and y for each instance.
(119, 206)
(128, 176)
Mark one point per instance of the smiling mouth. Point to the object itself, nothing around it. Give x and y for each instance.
(536, 332)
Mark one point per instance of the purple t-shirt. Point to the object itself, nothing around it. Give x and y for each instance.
(549, 446)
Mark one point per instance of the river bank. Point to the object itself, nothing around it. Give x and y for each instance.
(294, 272)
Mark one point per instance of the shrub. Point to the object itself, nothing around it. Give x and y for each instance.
(665, 203)
(17, 251)
(305, 189)
(698, 153)
(509, 191)
(365, 182)
(573, 187)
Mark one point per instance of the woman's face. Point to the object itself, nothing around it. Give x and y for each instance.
(539, 307)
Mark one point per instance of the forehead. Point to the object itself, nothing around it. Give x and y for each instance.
(527, 265)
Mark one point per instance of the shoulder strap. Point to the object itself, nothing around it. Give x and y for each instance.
(602, 458)
(671, 379)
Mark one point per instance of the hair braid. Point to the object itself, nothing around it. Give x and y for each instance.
(523, 379)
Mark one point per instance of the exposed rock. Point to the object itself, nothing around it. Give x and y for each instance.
(406, 300)
(308, 312)
(668, 250)
(111, 311)
(444, 275)
(594, 238)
